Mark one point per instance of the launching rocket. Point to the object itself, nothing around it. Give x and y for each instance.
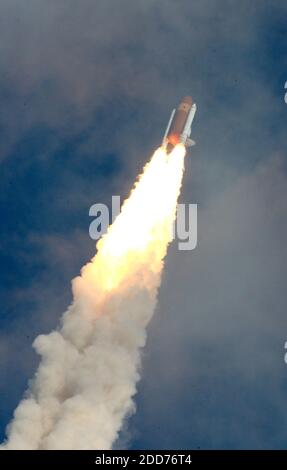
(179, 125)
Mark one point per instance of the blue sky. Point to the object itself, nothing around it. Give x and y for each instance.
(86, 89)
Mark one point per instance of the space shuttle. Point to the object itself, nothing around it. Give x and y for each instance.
(179, 125)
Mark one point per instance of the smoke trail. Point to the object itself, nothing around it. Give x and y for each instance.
(86, 380)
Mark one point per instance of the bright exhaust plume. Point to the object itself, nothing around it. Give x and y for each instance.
(86, 380)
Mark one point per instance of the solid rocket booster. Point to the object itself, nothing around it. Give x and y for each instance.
(179, 125)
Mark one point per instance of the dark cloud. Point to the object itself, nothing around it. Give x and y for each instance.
(217, 340)
(65, 63)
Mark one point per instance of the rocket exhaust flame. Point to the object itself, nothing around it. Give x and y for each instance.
(85, 383)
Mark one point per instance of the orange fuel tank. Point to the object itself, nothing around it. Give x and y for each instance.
(179, 120)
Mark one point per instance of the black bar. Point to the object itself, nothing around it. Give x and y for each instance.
(127, 459)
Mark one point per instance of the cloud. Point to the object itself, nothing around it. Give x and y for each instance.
(217, 340)
(66, 64)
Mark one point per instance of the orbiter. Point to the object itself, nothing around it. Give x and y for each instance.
(179, 125)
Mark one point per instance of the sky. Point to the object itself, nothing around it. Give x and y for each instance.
(86, 89)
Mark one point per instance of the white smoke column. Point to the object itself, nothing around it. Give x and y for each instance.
(86, 380)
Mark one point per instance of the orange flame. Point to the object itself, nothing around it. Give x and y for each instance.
(136, 243)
